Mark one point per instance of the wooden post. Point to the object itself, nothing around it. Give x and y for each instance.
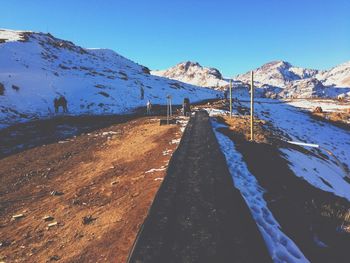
(252, 107)
(230, 98)
(167, 110)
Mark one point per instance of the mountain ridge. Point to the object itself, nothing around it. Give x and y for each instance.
(277, 79)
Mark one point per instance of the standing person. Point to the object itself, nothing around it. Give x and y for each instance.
(142, 93)
(149, 107)
(186, 107)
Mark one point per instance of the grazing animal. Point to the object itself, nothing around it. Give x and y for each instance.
(60, 102)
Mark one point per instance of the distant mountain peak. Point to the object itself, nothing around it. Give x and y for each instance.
(277, 63)
(193, 73)
(300, 82)
(277, 73)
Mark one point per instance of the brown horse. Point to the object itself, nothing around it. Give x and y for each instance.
(60, 102)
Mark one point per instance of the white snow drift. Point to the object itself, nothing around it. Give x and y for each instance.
(280, 246)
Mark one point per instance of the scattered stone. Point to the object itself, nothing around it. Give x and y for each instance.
(55, 258)
(79, 235)
(109, 133)
(114, 182)
(56, 193)
(88, 220)
(48, 218)
(318, 109)
(52, 224)
(135, 194)
(5, 243)
(75, 201)
(118, 218)
(18, 216)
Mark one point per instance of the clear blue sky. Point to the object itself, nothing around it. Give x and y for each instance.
(234, 36)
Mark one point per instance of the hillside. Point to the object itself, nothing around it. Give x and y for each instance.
(35, 68)
(193, 73)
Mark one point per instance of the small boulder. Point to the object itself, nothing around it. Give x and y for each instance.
(318, 109)
(88, 220)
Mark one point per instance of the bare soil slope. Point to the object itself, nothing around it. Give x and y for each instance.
(97, 187)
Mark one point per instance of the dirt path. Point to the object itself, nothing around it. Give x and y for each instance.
(198, 215)
(97, 187)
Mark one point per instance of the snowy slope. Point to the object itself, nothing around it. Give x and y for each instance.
(300, 127)
(35, 68)
(338, 76)
(195, 74)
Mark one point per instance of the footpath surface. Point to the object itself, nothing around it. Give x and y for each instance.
(197, 214)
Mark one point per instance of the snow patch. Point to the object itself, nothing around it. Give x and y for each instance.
(280, 246)
(156, 170)
(318, 172)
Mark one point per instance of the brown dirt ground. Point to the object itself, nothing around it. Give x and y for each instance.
(102, 176)
(340, 119)
(241, 125)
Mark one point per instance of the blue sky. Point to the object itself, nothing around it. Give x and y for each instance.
(233, 36)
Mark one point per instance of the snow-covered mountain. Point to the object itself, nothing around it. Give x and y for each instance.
(300, 82)
(195, 74)
(35, 68)
(276, 79)
(338, 76)
(277, 73)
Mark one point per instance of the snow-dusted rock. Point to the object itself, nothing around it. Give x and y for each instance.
(304, 88)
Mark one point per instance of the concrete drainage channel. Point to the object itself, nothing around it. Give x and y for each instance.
(197, 214)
